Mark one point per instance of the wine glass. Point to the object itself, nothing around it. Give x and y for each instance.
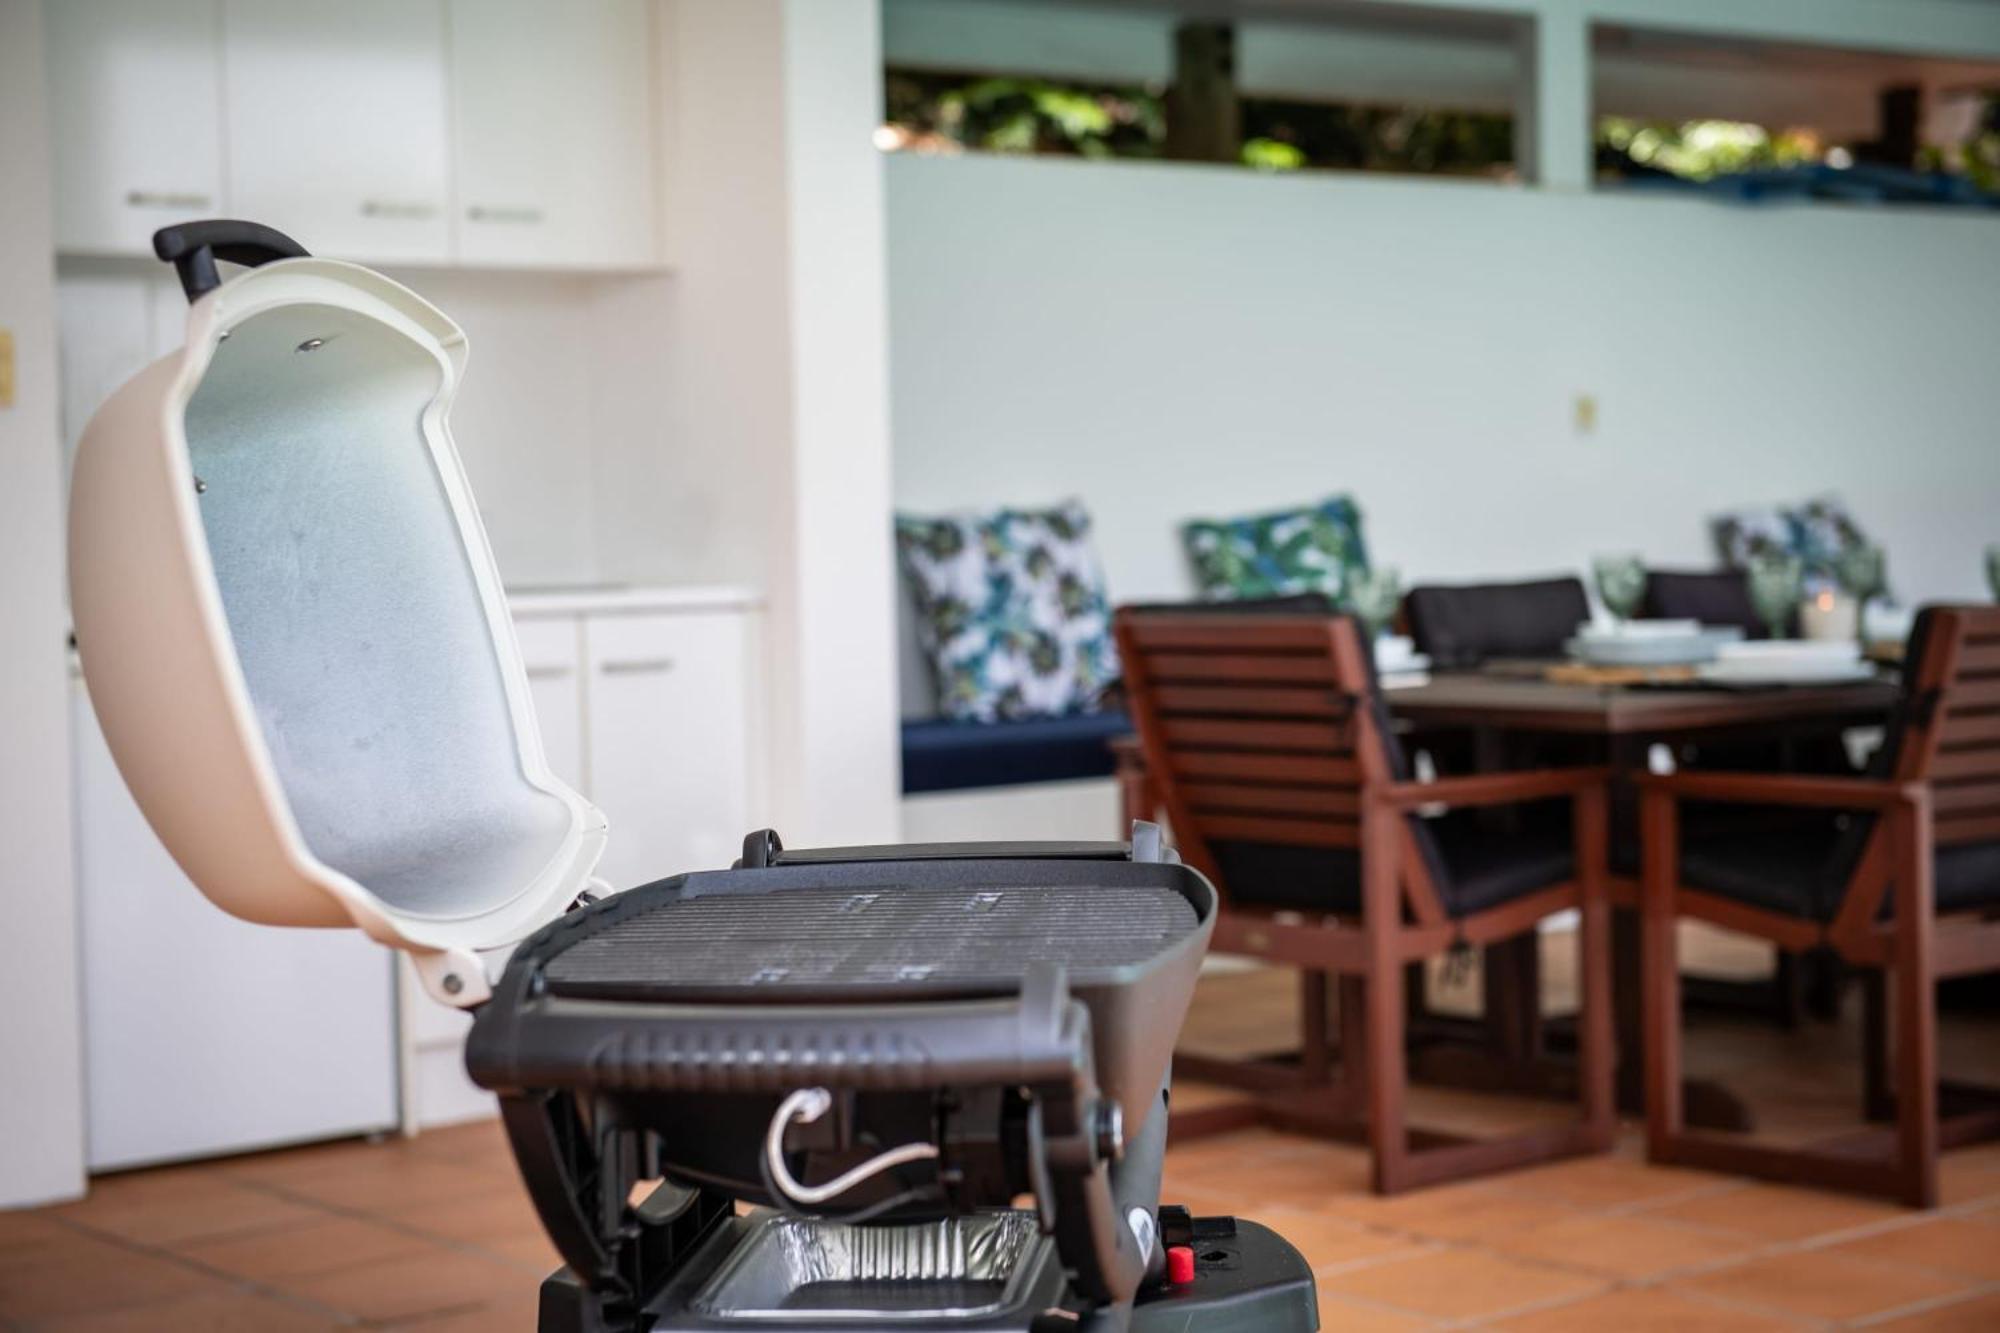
(1372, 594)
(1993, 569)
(1621, 581)
(1862, 571)
(1776, 578)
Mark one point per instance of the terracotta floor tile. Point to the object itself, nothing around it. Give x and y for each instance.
(272, 1257)
(166, 1208)
(530, 1251)
(1466, 1215)
(401, 1189)
(1776, 1212)
(35, 1239)
(1328, 1241)
(1342, 1316)
(429, 1281)
(506, 1211)
(1980, 1314)
(1618, 1246)
(1298, 1178)
(1609, 1182)
(1945, 1244)
(1962, 1181)
(98, 1276)
(1643, 1310)
(511, 1314)
(1457, 1284)
(1823, 1285)
(232, 1312)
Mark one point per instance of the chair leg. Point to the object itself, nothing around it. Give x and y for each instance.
(1382, 918)
(1916, 1004)
(1313, 1063)
(1878, 1100)
(1660, 972)
(1597, 1051)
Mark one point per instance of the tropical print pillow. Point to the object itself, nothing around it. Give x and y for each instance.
(1011, 611)
(1312, 550)
(1819, 531)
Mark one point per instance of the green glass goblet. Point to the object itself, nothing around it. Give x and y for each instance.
(1776, 579)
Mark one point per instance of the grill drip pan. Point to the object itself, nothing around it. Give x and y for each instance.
(956, 1267)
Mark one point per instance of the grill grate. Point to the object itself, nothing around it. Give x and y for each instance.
(958, 938)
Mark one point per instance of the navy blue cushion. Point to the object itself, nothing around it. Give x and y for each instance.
(944, 755)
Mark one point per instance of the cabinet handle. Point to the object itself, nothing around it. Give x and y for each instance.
(646, 666)
(548, 673)
(165, 199)
(397, 208)
(481, 213)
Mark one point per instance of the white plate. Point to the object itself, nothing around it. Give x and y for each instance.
(1787, 671)
(1626, 630)
(1653, 650)
(1813, 651)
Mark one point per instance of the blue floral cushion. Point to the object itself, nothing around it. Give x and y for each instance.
(1010, 610)
(1313, 550)
(1818, 531)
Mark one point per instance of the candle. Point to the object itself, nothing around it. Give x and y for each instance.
(1830, 616)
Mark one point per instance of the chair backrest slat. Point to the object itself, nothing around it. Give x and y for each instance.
(1259, 726)
(1950, 736)
(1302, 737)
(1231, 701)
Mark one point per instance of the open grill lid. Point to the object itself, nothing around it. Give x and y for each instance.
(292, 628)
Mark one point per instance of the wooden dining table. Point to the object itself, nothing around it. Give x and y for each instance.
(1619, 724)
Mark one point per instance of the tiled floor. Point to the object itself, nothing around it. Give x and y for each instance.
(434, 1234)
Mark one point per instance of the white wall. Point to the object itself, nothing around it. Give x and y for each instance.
(776, 348)
(41, 1093)
(1167, 341)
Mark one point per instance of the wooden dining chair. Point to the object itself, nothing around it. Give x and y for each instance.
(1267, 744)
(1899, 875)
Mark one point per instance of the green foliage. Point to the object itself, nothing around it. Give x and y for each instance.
(1022, 115)
(1272, 155)
(1704, 149)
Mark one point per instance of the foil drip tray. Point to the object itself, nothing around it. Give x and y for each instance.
(789, 1268)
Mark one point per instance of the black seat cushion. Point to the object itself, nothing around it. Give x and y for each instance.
(1968, 876)
(1491, 861)
(1792, 864)
(1714, 597)
(1801, 867)
(1462, 626)
(946, 755)
(1477, 861)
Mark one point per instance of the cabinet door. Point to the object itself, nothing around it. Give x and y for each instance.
(204, 1034)
(552, 652)
(135, 102)
(554, 133)
(669, 741)
(337, 123)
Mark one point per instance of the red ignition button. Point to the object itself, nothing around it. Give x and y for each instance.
(1180, 1264)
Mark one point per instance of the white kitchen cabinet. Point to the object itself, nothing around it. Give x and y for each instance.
(669, 740)
(552, 653)
(135, 102)
(552, 131)
(338, 124)
(204, 1034)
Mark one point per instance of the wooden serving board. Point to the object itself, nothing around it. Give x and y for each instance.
(1585, 673)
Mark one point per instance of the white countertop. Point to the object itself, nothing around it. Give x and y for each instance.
(614, 598)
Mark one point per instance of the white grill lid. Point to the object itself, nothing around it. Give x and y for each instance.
(293, 631)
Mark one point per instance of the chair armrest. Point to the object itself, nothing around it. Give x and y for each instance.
(1493, 788)
(1777, 789)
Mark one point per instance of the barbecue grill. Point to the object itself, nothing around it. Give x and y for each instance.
(878, 1087)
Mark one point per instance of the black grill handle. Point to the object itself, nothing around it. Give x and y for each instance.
(193, 247)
